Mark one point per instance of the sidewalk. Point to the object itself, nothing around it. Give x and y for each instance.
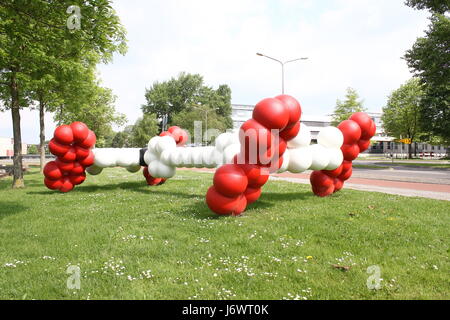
(408, 189)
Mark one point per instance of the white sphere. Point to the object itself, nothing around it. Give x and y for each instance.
(128, 157)
(134, 168)
(94, 170)
(300, 159)
(320, 157)
(186, 158)
(166, 157)
(105, 158)
(330, 137)
(152, 144)
(336, 158)
(223, 140)
(284, 167)
(207, 156)
(165, 143)
(149, 157)
(197, 157)
(230, 152)
(217, 157)
(176, 157)
(165, 171)
(303, 138)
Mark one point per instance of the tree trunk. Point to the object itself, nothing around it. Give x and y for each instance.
(410, 151)
(15, 113)
(41, 134)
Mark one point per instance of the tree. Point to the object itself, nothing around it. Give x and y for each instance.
(437, 6)
(31, 32)
(143, 130)
(401, 115)
(93, 105)
(166, 99)
(122, 139)
(345, 109)
(429, 59)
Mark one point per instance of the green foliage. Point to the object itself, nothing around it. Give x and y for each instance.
(438, 6)
(344, 109)
(93, 105)
(180, 95)
(32, 149)
(402, 112)
(429, 60)
(122, 139)
(143, 130)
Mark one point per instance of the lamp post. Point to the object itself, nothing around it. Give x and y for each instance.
(282, 66)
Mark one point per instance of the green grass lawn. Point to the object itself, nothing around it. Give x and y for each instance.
(137, 242)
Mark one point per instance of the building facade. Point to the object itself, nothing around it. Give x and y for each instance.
(7, 147)
(381, 142)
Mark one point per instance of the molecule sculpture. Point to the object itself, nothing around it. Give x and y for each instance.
(272, 141)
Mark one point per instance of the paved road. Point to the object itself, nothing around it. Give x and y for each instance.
(422, 175)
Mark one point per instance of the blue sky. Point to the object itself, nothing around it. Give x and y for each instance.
(350, 43)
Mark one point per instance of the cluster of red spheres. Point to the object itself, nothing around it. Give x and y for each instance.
(180, 136)
(152, 181)
(72, 145)
(357, 132)
(239, 184)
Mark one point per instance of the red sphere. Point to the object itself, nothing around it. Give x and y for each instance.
(346, 165)
(52, 171)
(350, 130)
(230, 180)
(63, 134)
(69, 156)
(338, 185)
(257, 176)
(319, 179)
(323, 191)
(367, 135)
(89, 160)
(80, 131)
(89, 142)
(81, 152)
(165, 133)
(345, 175)
(223, 205)
(363, 120)
(363, 145)
(271, 113)
(77, 179)
(66, 185)
(252, 194)
(290, 133)
(53, 184)
(256, 141)
(334, 173)
(294, 108)
(57, 148)
(242, 205)
(350, 151)
(65, 167)
(77, 169)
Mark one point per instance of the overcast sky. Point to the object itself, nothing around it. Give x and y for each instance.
(350, 43)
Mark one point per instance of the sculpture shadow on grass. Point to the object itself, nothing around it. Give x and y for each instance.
(8, 208)
(194, 209)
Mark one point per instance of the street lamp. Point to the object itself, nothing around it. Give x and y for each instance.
(282, 66)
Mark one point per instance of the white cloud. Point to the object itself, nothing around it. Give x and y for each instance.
(354, 43)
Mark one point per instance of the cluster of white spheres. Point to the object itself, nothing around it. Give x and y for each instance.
(127, 158)
(325, 155)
